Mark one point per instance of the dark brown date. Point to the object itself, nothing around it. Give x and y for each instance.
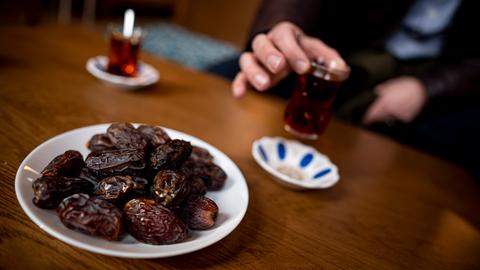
(115, 162)
(170, 188)
(125, 136)
(152, 223)
(100, 142)
(197, 186)
(170, 155)
(49, 191)
(140, 180)
(195, 183)
(154, 135)
(212, 175)
(119, 189)
(88, 175)
(91, 215)
(69, 163)
(199, 212)
(200, 154)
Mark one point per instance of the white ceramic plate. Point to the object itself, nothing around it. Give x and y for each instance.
(232, 200)
(146, 75)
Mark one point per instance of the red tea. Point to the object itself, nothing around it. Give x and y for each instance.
(309, 110)
(123, 55)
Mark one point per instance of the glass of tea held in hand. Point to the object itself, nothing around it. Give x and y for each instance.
(309, 109)
(123, 54)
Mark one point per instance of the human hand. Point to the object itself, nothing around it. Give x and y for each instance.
(276, 54)
(400, 99)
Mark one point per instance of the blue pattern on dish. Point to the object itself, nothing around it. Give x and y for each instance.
(100, 66)
(263, 153)
(322, 173)
(306, 160)
(281, 150)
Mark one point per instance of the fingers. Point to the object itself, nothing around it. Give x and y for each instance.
(400, 99)
(283, 49)
(268, 55)
(377, 112)
(254, 72)
(286, 41)
(373, 114)
(317, 50)
(239, 85)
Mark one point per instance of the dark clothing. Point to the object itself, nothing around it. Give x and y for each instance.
(349, 26)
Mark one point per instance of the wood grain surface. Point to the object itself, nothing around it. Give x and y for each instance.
(394, 208)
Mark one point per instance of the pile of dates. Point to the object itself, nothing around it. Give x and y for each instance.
(135, 180)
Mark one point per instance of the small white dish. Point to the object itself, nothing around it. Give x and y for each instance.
(146, 75)
(294, 164)
(232, 200)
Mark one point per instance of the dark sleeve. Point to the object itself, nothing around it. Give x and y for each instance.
(453, 80)
(300, 12)
(460, 76)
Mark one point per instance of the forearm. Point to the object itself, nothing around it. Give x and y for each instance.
(452, 80)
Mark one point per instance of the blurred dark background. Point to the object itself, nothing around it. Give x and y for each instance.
(202, 16)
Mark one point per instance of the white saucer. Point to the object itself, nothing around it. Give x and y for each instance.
(294, 164)
(146, 75)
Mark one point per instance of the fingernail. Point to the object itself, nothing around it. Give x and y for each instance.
(301, 66)
(273, 62)
(261, 80)
(321, 60)
(333, 64)
(337, 63)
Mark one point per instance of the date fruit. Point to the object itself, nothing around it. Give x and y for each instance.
(49, 191)
(170, 155)
(199, 212)
(152, 223)
(170, 188)
(119, 189)
(154, 135)
(197, 186)
(140, 180)
(100, 142)
(91, 215)
(88, 175)
(200, 154)
(212, 175)
(115, 162)
(69, 163)
(125, 136)
(195, 183)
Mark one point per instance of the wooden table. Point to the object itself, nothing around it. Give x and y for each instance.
(394, 208)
